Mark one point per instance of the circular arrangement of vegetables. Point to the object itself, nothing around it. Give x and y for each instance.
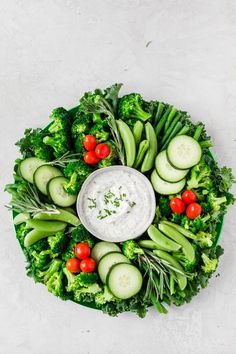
(177, 254)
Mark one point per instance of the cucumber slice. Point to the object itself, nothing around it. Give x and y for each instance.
(165, 188)
(102, 248)
(29, 166)
(58, 194)
(107, 261)
(124, 280)
(166, 171)
(184, 152)
(43, 175)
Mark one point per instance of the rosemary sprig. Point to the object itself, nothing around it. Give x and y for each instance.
(64, 159)
(30, 202)
(102, 106)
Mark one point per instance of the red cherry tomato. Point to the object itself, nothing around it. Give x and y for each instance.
(73, 265)
(193, 210)
(102, 151)
(91, 158)
(177, 205)
(82, 250)
(189, 196)
(89, 142)
(87, 265)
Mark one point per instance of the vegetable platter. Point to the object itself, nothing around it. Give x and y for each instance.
(123, 264)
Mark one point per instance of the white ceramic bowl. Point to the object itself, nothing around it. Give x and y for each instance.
(149, 194)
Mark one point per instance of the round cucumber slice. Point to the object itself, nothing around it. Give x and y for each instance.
(107, 261)
(102, 248)
(124, 280)
(58, 194)
(166, 171)
(184, 152)
(166, 188)
(29, 166)
(43, 175)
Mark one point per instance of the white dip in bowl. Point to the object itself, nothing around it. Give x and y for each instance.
(116, 203)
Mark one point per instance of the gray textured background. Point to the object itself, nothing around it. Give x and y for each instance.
(50, 53)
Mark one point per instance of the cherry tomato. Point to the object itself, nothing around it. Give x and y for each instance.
(193, 210)
(189, 196)
(177, 205)
(87, 265)
(91, 158)
(89, 142)
(102, 151)
(82, 250)
(73, 265)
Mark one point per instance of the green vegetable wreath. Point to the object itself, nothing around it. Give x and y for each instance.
(179, 251)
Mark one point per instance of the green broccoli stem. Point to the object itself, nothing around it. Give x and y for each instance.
(141, 114)
(171, 127)
(162, 121)
(160, 109)
(198, 132)
(170, 118)
(97, 117)
(174, 132)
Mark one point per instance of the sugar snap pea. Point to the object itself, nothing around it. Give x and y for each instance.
(151, 245)
(63, 215)
(161, 240)
(34, 236)
(175, 235)
(20, 218)
(137, 132)
(143, 147)
(46, 226)
(151, 153)
(128, 141)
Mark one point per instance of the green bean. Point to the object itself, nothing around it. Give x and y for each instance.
(151, 153)
(160, 109)
(181, 278)
(128, 141)
(137, 132)
(171, 127)
(172, 135)
(198, 132)
(205, 144)
(162, 121)
(34, 236)
(143, 147)
(20, 218)
(169, 118)
(184, 130)
(63, 215)
(161, 240)
(46, 226)
(175, 235)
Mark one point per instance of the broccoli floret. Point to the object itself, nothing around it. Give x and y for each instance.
(130, 106)
(187, 265)
(131, 249)
(210, 265)
(79, 147)
(81, 124)
(200, 177)
(198, 224)
(104, 296)
(176, 218)
(98, 131)
(41, 245)
(55, 284)
(32, 145)
(203, 239)
(86, 294)
(58, 242)
(81, 234)
(87, 279)
(77, 172)
(111, 159)
(164, 206)
(53, 267)
(72, 280)
(59, 132)
(42, 258)
(215, 202)
(21, 232)
(70, 251)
